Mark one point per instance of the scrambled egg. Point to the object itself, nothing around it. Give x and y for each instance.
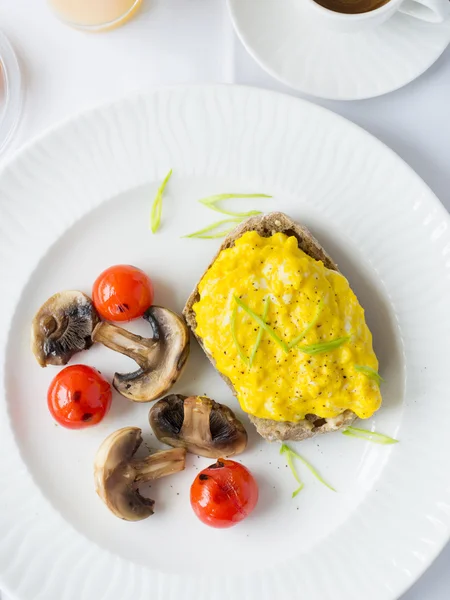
(304, 296)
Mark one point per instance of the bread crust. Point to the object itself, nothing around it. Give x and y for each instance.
(265, 226)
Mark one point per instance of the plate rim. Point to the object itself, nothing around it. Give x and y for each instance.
(16, 153)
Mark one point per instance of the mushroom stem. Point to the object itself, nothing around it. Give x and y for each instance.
(196, 426)
(159, 465)
(125, 342)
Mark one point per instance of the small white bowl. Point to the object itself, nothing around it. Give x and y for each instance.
(11, 105)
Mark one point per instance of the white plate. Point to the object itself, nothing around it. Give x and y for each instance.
(76, 201)
(334, 65)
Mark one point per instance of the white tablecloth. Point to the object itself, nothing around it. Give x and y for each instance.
(178, 41)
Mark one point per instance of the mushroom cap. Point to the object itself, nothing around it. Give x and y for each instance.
(117, 473)
(63, 326)
(199, 424)
(114, 475)
(161, 357)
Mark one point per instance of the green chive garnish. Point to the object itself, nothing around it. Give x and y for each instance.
(369, 436)
(305, 332)
(211, 202)
(200, 233)
(292, 454)
(286, 450)
(235, 340)
(370, 373)
(260, 331)
(322, 347)
(267, 328)
(155, 217)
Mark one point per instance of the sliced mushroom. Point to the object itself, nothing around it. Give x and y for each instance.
(63, 326)
(118, 474)
(198, 424)
(161, 358)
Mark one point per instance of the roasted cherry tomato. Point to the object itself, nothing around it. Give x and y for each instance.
(224, 493)
(122, 293)
(79, 397)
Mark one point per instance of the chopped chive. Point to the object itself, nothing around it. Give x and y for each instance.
(323, 347)
(250, 213)
(298, 490)
(155, 217)
(267, 328)
(369, 436)
(211, 201)
(235, 340)
(199, 234)
(260, 331)
(370, 373)
(285, 449)
(308, 328)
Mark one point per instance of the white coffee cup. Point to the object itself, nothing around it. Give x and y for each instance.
(432, 11)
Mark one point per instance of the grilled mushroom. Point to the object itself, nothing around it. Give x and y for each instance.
(63, 326)
(118, 474)
(161, 358)
(198, 424)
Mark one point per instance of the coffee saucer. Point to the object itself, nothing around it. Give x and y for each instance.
(284, 40)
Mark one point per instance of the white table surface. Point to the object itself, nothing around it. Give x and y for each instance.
(180, 41)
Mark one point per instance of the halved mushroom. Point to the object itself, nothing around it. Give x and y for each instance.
(118, 474)
(198, 424)
(63, 326)
(161, 358)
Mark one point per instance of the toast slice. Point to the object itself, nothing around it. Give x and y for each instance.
(265, 226)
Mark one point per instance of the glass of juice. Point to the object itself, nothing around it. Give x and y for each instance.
(95, 15)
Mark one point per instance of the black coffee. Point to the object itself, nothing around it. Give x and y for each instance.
(351, 6)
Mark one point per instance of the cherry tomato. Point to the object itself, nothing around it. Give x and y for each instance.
(79, 397)
(122, 293)
(224, 493)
